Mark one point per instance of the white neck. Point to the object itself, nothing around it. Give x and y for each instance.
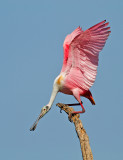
(53, 95)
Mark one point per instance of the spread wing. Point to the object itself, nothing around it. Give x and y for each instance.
(66, 45)
(82, 60)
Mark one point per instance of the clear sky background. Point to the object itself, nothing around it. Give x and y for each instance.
(31, 55)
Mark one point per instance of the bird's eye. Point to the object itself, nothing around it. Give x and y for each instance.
(44, 109)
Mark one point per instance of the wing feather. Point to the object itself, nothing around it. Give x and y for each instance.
(83, 55)
(69, 38)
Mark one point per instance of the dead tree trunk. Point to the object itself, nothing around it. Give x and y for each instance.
(81, 133)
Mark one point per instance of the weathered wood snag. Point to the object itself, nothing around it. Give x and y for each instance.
(81, 133)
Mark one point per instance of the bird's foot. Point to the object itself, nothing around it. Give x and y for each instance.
(76, 112)
(73, 113)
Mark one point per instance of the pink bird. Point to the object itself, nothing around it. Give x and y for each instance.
(81, 54)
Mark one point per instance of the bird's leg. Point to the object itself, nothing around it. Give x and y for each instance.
(76, 112)
(74, 104)
(83, 110)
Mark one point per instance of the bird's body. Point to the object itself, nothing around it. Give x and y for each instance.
(63, 84)
(81, 54)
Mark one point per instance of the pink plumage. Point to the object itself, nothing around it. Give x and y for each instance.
(81, 53)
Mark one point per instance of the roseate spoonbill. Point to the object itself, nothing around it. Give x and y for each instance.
(81, 53)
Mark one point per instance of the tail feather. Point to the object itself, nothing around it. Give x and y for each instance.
(92, 100)
(88, 95)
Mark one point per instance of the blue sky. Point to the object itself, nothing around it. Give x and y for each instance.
(31, 55)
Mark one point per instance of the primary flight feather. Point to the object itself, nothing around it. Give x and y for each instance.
(78, 73)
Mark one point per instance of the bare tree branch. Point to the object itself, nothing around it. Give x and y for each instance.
(81, 133)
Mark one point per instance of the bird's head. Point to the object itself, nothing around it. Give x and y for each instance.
(44, 110)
